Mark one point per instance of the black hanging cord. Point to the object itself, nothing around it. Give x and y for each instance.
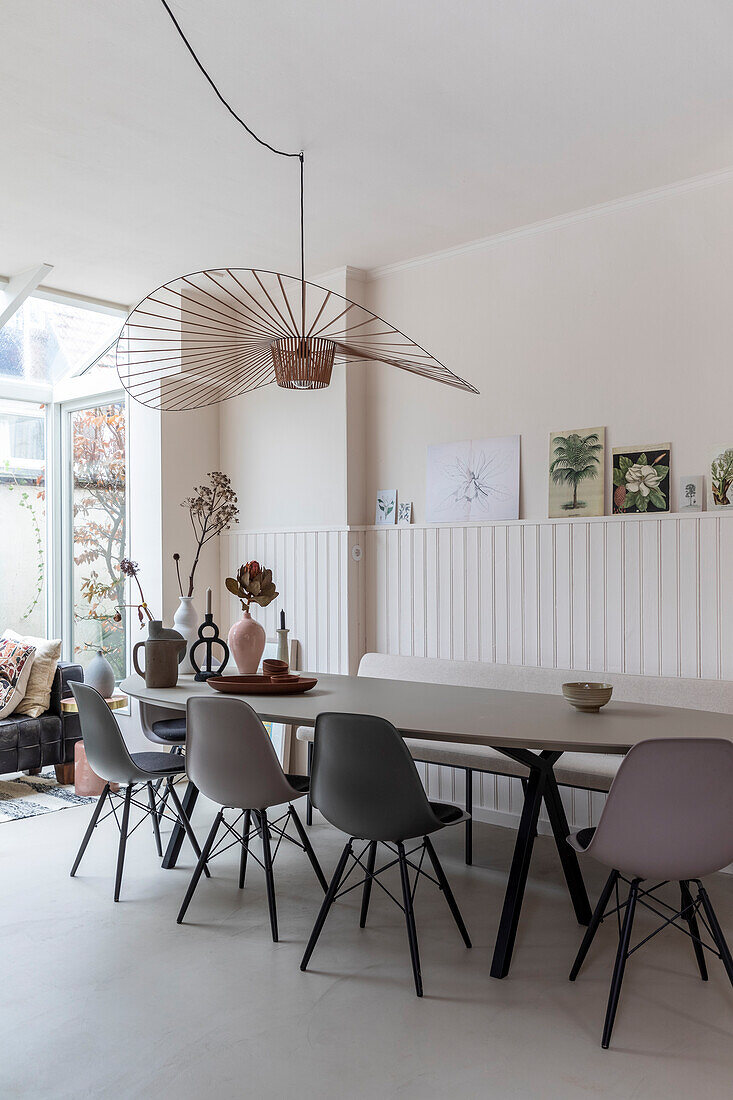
(279, 152)
(189, 47)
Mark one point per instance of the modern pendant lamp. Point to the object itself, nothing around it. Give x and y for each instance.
(216, 334)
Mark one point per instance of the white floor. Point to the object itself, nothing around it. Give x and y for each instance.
(104, 1000)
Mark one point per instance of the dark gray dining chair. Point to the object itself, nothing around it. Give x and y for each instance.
(668, 818)
(110, 758)
(230, 758)
(365, 782)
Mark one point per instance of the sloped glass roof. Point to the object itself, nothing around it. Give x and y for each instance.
(44, 340)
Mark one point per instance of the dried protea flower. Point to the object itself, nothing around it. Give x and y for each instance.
(252, 584)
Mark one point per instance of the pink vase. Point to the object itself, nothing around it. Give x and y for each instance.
(247, 644)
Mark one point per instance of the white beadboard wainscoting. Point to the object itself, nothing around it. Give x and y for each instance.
(651, 595)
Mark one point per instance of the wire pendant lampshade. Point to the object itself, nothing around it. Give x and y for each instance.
(213, 335)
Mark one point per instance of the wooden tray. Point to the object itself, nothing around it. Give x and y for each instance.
(260, 685)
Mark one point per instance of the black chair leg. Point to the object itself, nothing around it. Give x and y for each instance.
(90, 829)
(447, 892)
(269, 876)
(245, 848)
(154, 816)
(308, 849)
(309, 804)
(410, 919)
(123, 841)
(183, 818)
(688, 913)
(717, 931)
(618, 971)
(327, 903)
(595, 923)
(367, 891)
(469, 811)
(199, 868)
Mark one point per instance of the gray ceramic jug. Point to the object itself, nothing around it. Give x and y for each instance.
(163, 650)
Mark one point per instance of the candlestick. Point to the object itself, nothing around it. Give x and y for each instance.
(282, 620)
(208, 601)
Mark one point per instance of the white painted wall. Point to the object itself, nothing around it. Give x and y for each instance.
(622, 317)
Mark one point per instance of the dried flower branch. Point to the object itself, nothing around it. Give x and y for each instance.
(212, 509)
(130, 569)
(252, 584)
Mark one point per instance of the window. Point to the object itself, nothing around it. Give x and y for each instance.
(97, 520)
(46, 340)
(23, 517)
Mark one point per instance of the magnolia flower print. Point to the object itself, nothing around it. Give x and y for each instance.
(642, 479)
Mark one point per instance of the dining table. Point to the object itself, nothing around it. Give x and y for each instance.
(531, 728)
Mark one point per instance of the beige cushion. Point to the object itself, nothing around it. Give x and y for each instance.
(16, 662)
(37, 698)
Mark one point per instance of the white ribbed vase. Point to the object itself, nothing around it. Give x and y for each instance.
(186, 621)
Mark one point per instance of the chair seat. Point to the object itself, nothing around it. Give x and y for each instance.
(171, 729)
(159, 763)
(581, 839)
(301, 783)
(448, 814)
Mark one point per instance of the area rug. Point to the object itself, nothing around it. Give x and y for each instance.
(31, 795)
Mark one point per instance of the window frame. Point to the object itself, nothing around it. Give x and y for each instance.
(63, 537)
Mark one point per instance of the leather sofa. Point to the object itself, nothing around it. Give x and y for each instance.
(30, 744)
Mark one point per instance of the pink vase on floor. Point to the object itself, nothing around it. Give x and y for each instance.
(247, 644)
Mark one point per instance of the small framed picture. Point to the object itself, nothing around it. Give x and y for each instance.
(721, 478)
(386, 507)
(641, 479)
(404, 513)
(691, 493)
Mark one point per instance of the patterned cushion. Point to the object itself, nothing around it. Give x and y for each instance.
(37, 699)
(16, 661)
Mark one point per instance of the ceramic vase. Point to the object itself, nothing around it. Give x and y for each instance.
(186, 622)
(99, 674)
(163, 648)
(247, 644)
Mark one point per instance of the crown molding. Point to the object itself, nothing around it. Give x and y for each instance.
(559, 221)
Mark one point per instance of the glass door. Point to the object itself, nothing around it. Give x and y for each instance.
(95, 522)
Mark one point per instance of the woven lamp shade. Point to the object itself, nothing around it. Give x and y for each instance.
(303, 363)
(212, 335)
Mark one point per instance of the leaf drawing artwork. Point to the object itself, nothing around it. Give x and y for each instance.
(721, 478)
(641, 479)
(386, 506)
(577, 469)
(473, 480)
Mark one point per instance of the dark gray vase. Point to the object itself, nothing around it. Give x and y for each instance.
(99, 674)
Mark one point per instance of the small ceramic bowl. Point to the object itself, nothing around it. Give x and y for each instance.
(586, 696)
(271, 666)
(283, 678)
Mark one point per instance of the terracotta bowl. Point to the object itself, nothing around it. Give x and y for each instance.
(283, 678)
(271, 666)
(586, 696)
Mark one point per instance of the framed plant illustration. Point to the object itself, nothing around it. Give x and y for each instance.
(577, 473)
(641, 479)
(386, 506)
(721, 478)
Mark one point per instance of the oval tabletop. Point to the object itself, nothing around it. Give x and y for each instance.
(476, 716)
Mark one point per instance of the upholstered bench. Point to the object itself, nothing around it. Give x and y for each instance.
(581, 770)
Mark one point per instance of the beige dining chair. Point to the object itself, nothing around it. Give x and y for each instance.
(668, 818)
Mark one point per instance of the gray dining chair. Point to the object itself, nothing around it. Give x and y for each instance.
(230, 758)
(668, 818)
(365, 782)
(110, 758)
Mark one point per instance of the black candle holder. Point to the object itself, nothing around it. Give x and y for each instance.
(209, 640)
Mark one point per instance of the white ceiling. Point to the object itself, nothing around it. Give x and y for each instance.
(426, 123)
